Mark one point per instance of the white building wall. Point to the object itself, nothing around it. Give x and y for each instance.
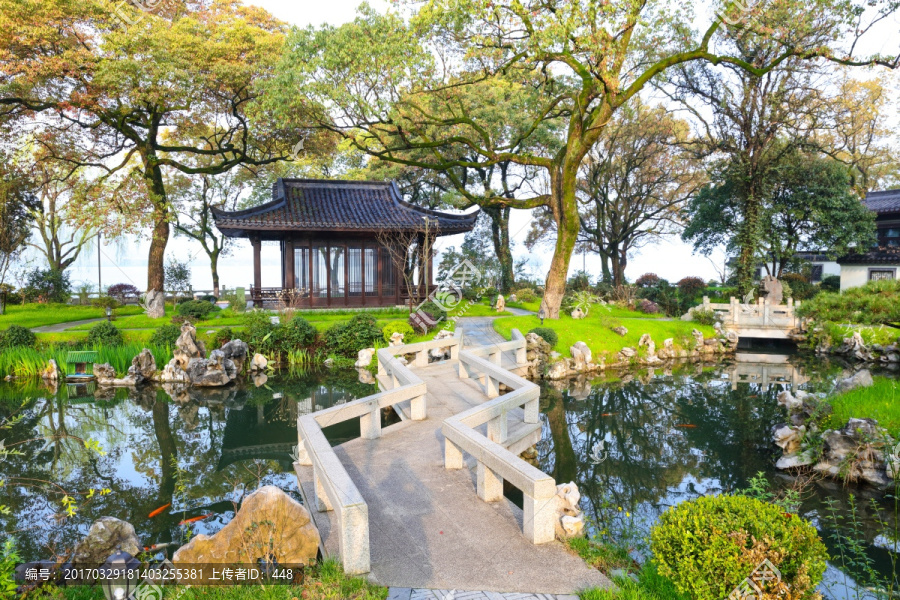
(854, 276)
(830, 268)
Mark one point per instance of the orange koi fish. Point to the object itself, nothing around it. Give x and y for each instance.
(159, 510)
(195, 519)
(686, 425)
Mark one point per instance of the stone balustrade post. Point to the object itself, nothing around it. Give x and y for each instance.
(532, 411)
(539, 520)
(323, 504)
(417, 408)
(489, 483)
(498, 428)
(370, 425)
(453, 458)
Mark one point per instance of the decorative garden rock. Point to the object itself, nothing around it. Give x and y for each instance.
(107, 536)
(628, 352)
(364, 358)
(513, 298)
(861, 379)
(366, 376)
(187, 346)
(788, 438)
(582, 355)
(647, 341)
(570, 522)
(621, 330)
(269, 519)
(441, 353)
(558, 370)
(328, 363)
(51, 372)
(173, 373)
(104, 373)
(213, 371)
(397, 339)
(155, 304)
(500, 306)
(143, 367)
(238, 352)
(857, 452)
(698, 337)
(578, 314)
(258, 363)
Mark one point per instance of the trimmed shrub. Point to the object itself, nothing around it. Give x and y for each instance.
(222, 337)
(801, 288)
(17, 335)
(296, 333)
(647, 280)
(709, 545)
(830, 283)
(104, 333)
(259, 331)
(648, 307)
(876, 303)
(525, 295)
(397, 327)
(123, 292)
(166, 335)
(704, 317)
(432, 310)
(547, 334)
(691, 286)
(106, 302)
(208, 298)
(347, 339)
(198, 309)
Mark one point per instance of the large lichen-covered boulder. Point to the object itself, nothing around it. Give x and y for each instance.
(104, 373)
(772, 289)
(173, 373)
(582, 355)
(107, 536)
(268, 522)
(51, 373)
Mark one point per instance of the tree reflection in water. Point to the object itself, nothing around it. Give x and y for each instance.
(224, 442)
(678, 434)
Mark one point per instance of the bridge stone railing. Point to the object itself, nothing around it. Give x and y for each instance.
(760, 315)
(494, 462)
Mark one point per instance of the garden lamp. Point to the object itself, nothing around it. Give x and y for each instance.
(109, 314)
(541, 315)
(121, 576)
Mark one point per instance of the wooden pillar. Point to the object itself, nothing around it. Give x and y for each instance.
(346, 274)
(379, 256)
(257, 262)
(362, 275)
(310, 275)
(290, 281)
(328, 272)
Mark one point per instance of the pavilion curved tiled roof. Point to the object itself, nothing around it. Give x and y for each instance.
(884, 255)
(310, 205)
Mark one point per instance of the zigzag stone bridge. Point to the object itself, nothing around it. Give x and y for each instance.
(759, 320)
(420, 504)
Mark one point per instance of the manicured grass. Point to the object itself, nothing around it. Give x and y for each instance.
(596, 331)
(880, 402)
(323, 582)
(649, 586)
(39, 315)
(223, 318)
(879, 334)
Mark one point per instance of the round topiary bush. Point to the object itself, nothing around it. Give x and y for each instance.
(691, 286)
(397, 327)
(104, 334)
(198, 309)
(346, 339)
(17, 335)
(296, 333)
(166, 335)
(547, 334)
(708, 546)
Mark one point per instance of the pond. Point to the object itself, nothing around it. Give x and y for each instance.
(673, 435)
(188, 460)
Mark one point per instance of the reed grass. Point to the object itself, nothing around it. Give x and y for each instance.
(30, 362)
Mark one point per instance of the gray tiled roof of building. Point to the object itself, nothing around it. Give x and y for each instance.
(319, 205)
(887, 201)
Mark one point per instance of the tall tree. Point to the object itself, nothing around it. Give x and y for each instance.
(62, 236)
(17, 206)
(494, 80)
(136, 94)
(808, 205)
(632, 187)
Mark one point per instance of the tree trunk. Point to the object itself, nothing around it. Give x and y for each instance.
(214, 267)
(746, 241)
(565, 211)
(156, 278)
(500, 236)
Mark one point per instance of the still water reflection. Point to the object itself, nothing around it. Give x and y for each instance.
(668, 436)
(197, 452)
(673, 435)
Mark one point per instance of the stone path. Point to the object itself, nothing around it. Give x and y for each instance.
(428, 530)
(479, 331)
(58, 327)
(423, 594)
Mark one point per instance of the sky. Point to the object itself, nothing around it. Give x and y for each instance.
(126, 261)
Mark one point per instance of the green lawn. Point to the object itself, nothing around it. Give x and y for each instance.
(596, 331)
(880, 402)
(533, 306)
(39, 315)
